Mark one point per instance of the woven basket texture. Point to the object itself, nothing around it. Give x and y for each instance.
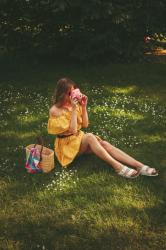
(47, 162)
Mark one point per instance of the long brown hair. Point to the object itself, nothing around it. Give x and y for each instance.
(62, 88)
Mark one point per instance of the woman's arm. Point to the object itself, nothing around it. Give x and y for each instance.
(85, 119)
(73, 121)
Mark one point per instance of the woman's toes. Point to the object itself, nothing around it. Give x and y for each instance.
(155, 171)
(135, 173)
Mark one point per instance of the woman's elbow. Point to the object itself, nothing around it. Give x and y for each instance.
(72, 130)
(85, 125)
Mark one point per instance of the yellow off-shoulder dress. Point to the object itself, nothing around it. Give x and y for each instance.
(66, 148)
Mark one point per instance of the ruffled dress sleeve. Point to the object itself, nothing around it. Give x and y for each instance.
(58, 125)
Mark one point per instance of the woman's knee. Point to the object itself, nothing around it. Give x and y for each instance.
(90, 137)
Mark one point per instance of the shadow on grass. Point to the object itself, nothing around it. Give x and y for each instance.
(61, 231)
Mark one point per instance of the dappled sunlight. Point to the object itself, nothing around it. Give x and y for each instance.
(130, 115)
(130, 197)
(120, 222)
(154, 138)
(17, 135)
(122, 90)
(27, 119)
(115, 194)
(4, 184)
(118, 112)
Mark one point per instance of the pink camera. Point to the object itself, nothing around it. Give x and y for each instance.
(76, 94)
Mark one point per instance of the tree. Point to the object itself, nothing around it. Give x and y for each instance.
(91, 30)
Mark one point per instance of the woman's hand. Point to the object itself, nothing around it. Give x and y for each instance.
(74, 102)
(84, 101)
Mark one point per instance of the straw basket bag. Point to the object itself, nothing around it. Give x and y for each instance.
(47, 157)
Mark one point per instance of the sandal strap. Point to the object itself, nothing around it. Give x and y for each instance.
(127, 172)
(147, 169)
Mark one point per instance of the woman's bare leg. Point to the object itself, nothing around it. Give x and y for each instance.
(89, 140)
(120, 155)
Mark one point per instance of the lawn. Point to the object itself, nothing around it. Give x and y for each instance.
(86, 206)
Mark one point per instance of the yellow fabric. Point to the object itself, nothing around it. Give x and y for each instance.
(66, 148)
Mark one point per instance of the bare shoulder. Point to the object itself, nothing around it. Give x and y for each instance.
(55, 111)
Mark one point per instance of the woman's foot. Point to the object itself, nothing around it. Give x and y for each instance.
(128, 172)
(148, 171)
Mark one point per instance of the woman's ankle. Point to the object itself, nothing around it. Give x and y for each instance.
(118, 167)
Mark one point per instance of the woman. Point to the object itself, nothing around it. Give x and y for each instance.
(66, 118)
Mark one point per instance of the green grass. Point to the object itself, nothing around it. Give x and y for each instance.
(86, 206)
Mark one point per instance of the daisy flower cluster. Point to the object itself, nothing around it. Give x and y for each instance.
(115, 113)
(63, 181)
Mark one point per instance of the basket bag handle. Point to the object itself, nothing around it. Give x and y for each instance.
(40, 141)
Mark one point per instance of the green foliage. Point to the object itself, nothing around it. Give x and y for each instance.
(92, 30)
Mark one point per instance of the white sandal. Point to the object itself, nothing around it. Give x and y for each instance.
(146, 170)
(127, 172)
